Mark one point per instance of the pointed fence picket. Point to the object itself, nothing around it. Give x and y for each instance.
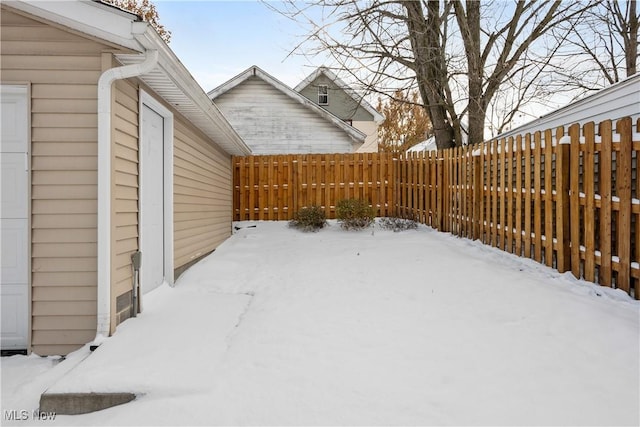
(565, 197)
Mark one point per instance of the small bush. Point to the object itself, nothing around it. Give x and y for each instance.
(310, 218)
(354, 214)
(398, 224)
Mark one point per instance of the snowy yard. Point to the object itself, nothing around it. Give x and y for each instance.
(280, 327)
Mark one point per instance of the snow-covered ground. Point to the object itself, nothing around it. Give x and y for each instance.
(280, 327)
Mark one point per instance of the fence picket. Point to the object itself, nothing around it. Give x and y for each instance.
(548, 198)
(604, 271)
(509, 191)
(563, 213)
(623, 190)
(574, 133)
(589, 202)
(494, 194)
(537, 198)
(518, 196)
(527, 196)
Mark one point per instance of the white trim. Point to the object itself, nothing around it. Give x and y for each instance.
(89, 17)
(103, 316)
(323, 91)
(155, 105)
(25, 88)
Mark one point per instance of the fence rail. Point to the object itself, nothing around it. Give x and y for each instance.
(569, 201)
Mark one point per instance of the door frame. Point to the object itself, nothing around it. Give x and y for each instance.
(25, 85)
(155, 105)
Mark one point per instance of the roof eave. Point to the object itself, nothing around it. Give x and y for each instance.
(170, 80)
(176, 74)
(113, 25)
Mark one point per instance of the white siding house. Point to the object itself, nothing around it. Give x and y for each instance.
(274, 119)
(619, 100)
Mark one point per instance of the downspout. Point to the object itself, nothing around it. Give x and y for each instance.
(104, 185)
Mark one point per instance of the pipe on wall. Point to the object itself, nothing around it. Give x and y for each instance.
(104, 185)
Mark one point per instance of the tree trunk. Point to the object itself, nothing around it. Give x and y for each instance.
(468, 18)
(429, 66)
(631, 53)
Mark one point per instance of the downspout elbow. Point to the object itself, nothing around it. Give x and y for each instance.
(104, 185)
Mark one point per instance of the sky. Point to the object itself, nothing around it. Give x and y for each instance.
(217, 40)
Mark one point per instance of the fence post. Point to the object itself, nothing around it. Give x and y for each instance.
(477, 191)
(441, 190)
(574, 198)
(394, 187)
(563, 212)
(606, 241)
(623, 184)
(296, 163)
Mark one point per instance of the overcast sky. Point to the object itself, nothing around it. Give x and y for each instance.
(216, 40)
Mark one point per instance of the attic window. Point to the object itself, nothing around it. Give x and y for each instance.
(323, 95)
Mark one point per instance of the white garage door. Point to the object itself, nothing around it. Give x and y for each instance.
(152, 200)
(14, 218)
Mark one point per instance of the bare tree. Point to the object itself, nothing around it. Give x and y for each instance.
(458, 54)
(603, 46)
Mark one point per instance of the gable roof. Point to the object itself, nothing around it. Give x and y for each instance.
(359, 99)
(169, 79)
(255, 71)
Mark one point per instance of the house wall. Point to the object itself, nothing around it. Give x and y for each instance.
(614, 102)
(340, 103)
(202, 194)
(63, 70)
(124, 187)
(371, 141)
(270, 122)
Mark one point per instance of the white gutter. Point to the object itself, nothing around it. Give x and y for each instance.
(104, 184)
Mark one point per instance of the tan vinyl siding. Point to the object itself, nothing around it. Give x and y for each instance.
(201, 194)
(125, 191)
(63, 70)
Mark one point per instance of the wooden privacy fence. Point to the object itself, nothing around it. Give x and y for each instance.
(568, 201)
(275, 187)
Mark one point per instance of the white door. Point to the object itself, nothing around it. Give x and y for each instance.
(152, 200)
(14, 213)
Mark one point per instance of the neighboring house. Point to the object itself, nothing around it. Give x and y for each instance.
(619, 100)
(328, 91)
(272, 118)
(109, 146)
